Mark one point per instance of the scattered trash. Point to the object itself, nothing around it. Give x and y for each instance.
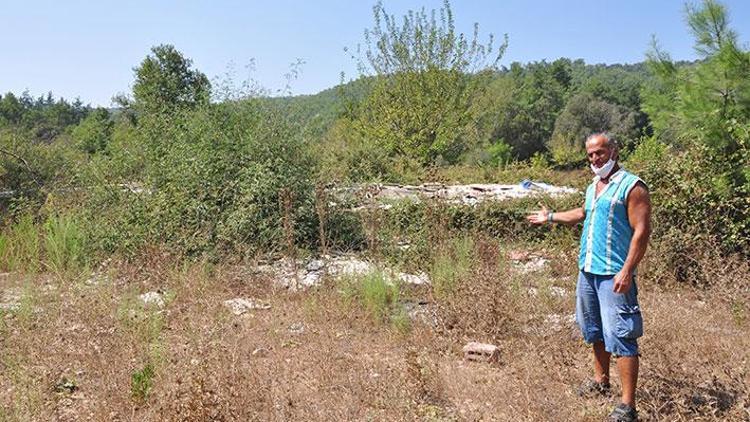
(481, 352)
(239, 306)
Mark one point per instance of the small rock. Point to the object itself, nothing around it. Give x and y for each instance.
(297, 328)
(153, 298)
(558, 291)
(260, 352)
(557, 322)
(64, 385)
(9, 306)
(239, 306)
(416, 279)
(315, 265)
(10, 300)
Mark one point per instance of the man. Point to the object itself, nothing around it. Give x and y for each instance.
(616, 228)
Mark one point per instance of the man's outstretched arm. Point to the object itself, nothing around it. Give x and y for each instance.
(570, 217)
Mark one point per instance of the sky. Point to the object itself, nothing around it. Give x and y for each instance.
(88, 49)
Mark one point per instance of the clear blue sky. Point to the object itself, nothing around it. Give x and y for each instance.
(88, 49)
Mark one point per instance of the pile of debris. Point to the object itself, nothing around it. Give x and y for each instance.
(460, 194)
(301, 274)
(526, 262)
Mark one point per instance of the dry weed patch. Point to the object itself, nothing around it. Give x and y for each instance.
(94, 350)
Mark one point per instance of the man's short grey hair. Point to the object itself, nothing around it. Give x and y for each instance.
(609, 140)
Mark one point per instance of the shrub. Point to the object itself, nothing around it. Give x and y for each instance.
(203, 181)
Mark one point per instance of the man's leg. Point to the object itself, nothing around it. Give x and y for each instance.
(627, 367)
(601, 363)
(623, 324)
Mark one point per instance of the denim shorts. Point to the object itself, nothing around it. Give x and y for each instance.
(604, 315)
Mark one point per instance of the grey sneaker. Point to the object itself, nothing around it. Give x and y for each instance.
(591, 388)
(623, 413)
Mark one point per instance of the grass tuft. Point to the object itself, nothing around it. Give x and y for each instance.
(141, 382)
(64, 244)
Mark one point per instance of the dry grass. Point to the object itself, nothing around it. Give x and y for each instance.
(70, 350)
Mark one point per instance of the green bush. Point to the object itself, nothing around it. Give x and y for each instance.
(203, 181)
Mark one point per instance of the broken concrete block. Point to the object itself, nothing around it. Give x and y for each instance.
(481, 352)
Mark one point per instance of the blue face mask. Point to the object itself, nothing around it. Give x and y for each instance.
(604, 170)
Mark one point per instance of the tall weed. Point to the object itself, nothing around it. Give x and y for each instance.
(375, 292)
(64, 244)
(451, 264)
(19, 247)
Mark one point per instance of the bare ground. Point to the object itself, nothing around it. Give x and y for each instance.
(70, 349)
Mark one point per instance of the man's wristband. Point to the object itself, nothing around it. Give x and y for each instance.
(549, 217)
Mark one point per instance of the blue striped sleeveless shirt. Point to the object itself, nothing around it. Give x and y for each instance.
(606, 236)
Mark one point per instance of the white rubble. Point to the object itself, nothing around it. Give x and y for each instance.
(421, 311)
(557, 322)
(239, 306)
(301, 274)
(153, 298)
(533, 265)
(470, 194)
(416, 279)
(10, 300)
(297, 328)
(553, 291)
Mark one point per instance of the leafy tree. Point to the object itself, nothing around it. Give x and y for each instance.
(538, 96)
(165, 81)
(427, 77)
(95, 131)
(11, 109)
(703, 113)
(44, 117)
(696, 102)
(585, 114)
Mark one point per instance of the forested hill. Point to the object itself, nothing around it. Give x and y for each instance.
(524, 104)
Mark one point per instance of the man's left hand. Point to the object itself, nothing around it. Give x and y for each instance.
(623, 282)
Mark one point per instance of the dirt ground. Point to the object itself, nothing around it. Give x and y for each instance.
(90, 349)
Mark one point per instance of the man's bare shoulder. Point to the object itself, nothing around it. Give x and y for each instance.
(639, 194)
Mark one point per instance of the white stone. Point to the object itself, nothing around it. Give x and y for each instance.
(153, 298)
(297, 328)
(239, 306)
(416, 279)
